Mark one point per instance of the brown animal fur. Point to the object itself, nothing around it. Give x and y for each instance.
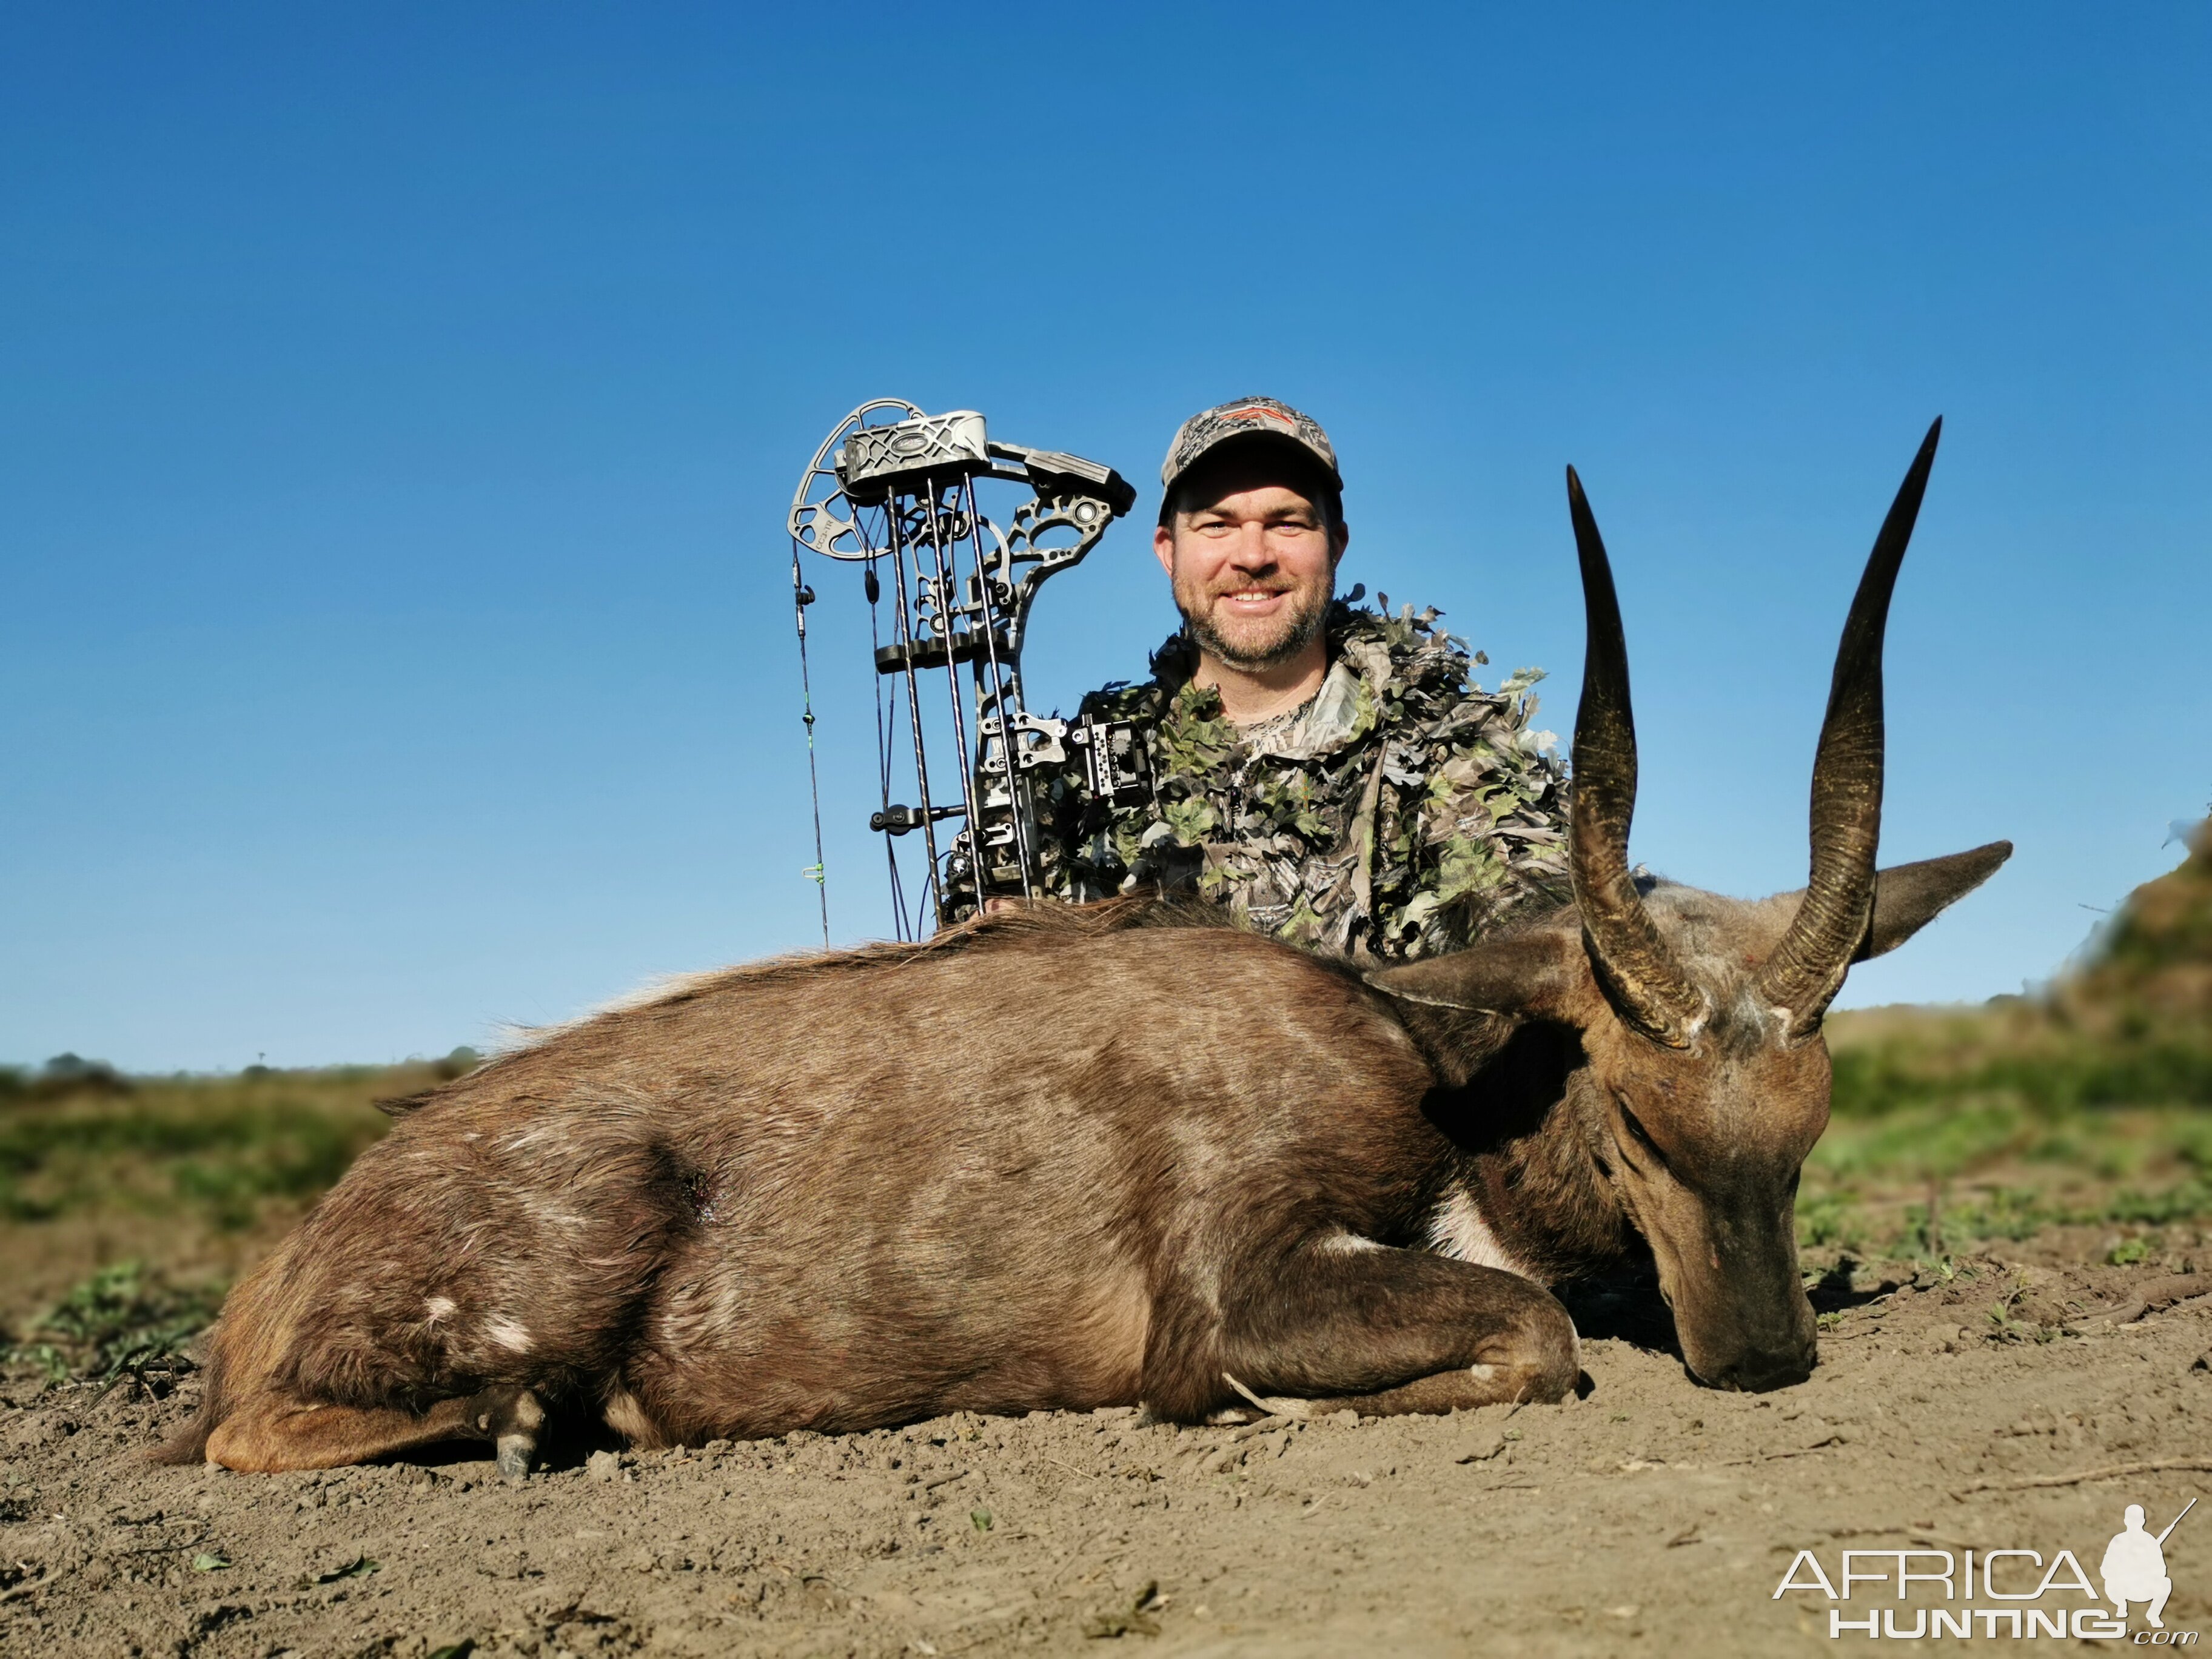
(712, 1214)
(1078, 1160)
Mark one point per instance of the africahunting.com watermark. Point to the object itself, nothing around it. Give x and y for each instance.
(2131, 1575)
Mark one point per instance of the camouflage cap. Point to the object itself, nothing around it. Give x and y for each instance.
(1243, 417)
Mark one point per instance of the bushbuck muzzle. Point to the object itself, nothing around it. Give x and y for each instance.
(1727, 1267)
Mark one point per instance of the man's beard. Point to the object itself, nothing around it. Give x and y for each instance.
(1260, 643)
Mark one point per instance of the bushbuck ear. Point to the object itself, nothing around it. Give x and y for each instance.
(1908, 897)
(1514, 975)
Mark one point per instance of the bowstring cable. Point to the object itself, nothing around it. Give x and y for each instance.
(906, 632)
(884, 735)
(802, 596)
(971, 789)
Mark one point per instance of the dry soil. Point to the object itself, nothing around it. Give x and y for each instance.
(1987, 1409)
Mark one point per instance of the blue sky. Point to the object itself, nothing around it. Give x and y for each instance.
(398, 407)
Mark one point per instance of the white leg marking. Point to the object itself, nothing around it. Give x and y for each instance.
(508, 1335)
(437, 1307)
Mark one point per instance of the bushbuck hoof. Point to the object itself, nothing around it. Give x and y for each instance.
(513, 1419)
(1549, 1360)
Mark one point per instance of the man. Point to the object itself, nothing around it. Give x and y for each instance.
(1324, 771)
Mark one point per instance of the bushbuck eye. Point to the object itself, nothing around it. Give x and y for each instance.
(1639, 1134)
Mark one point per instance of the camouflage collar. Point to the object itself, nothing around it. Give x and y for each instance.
(1341, 713)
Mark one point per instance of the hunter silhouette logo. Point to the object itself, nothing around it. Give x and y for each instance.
(2017, 1581)
(2134, 1568)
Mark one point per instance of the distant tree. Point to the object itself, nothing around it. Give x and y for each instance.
(459, 1063)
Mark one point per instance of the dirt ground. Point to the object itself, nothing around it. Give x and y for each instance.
(1648, 1516)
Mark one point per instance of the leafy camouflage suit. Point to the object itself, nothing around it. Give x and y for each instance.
(1399, 814)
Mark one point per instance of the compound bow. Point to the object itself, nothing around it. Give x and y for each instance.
(901, 493)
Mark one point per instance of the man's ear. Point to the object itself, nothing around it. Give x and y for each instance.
(1908, 897)
(1163, 549)
(1531, 973)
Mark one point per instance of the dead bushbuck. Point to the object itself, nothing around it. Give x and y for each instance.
(1067, 1157)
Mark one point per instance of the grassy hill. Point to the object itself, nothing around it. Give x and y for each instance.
(2084, 1106)
(193, 1176)
(2152, 969)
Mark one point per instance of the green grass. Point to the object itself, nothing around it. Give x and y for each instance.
(2059, 1071)
(2015, 1118)
(178, 1161)
(221, 1150)
(121, 1319)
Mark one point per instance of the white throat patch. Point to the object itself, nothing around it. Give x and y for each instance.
(1458, 1230)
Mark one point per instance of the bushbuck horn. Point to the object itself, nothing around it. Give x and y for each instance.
(1624, 944)
(1808, 967)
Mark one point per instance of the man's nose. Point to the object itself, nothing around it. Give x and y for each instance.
(1250, 550)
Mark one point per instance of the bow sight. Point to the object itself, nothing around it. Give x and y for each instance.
(899, 499)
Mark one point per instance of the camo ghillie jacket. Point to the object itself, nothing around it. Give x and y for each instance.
(1400, 814)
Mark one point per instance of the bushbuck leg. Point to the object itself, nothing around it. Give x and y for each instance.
(277, 1434)
(1384, 1332)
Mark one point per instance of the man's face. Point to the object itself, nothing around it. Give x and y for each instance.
(1253, 560)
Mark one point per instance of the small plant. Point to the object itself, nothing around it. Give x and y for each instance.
(1948, 1270)
(2010, 1212)
(360, 1567)
(1830, 1218)
(1115, 1621)
(2128, 1252)
(123, 1319)
(2190, 1200)
(2007, 1326)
